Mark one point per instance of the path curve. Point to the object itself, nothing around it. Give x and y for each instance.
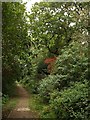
(22, 109)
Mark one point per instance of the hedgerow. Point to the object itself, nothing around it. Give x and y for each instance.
(66, 89)
(71, 103)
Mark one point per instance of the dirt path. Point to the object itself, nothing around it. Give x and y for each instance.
(22, 109)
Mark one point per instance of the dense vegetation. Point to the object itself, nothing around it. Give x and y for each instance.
(46, 50)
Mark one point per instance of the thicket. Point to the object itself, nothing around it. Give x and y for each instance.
(66, 89)
(57, 30)
(71, 103)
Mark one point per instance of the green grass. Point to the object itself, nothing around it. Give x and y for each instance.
(9, 106)
(35, 104)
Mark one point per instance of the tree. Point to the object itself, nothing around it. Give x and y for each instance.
(52, 25)
(14, 42)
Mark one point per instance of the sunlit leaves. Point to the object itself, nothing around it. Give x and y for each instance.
(54, 24)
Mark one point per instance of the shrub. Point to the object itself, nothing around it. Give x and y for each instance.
(71, 69)
(73, 62)
(50, 83)
(30, 83)
(46, 87)
(71, 103)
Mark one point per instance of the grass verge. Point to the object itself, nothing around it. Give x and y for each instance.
(8, 107)
(36, 105)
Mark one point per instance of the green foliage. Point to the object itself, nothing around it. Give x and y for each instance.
(66, 89)
(36, 104)
(47, 31)
(42, 67)
(48, 84)
(9, 106)
(71, 66)
(30, 84)
(47, 112)
(50, 24)
(14, 42)
(71, 103)
(73, 63)
(5, 98)
(9, 88)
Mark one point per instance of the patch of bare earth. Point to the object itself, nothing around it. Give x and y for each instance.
(22, 109)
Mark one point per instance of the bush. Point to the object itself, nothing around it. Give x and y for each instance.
(47, 112)
(73, 62)
(71, 103)
(52, 83)
(30, 83)
(47, 85)
(32, 86)
(66, 89)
